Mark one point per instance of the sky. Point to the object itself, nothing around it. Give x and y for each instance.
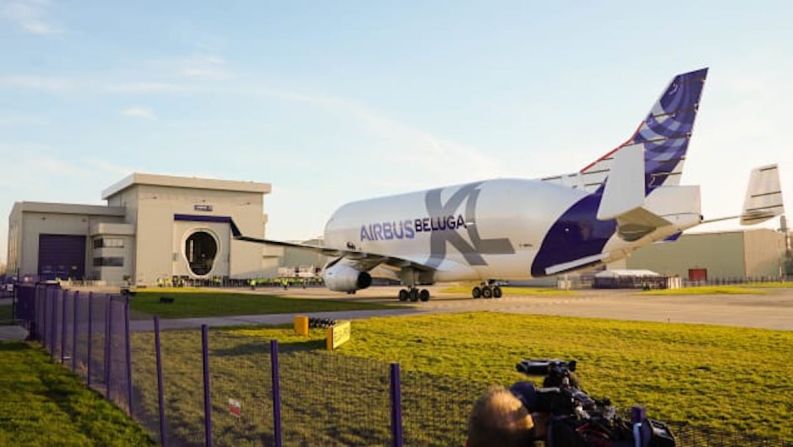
(337, 101)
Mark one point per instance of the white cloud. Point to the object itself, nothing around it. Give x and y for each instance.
(139, 112)
(207, 67)
(109, 167)
(145, 87)
(34, 82)
(30, 15)
(17, 119)
(434, 159)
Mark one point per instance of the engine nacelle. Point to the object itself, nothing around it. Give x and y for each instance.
(343, 278)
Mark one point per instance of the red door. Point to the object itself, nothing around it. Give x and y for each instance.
(697, 274)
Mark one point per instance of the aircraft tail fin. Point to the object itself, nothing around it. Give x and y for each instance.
(763, 196)
(664, 133)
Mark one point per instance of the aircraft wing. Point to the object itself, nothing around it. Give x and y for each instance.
(370, 260)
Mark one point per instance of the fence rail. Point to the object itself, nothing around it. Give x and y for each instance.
(194, 388)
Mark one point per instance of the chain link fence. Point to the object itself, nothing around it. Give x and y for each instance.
(225, 388)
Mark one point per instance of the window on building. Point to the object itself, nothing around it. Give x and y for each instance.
(109, 261)
(102, 242)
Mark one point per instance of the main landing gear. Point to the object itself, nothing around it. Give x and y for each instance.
(486, 290)
(413, 294)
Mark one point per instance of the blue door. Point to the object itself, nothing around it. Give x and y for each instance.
(61, 256)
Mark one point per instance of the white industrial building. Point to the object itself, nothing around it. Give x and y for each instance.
(153, 229)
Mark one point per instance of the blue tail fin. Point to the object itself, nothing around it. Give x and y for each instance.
(665, 132)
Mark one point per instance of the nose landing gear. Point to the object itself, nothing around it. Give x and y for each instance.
(413, 294)
(487, 290)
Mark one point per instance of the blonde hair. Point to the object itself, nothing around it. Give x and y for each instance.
(499, 419)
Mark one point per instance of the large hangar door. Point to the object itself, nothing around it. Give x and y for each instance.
(61, 256)
(201, 249)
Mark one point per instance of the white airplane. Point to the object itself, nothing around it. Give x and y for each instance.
(517, 229)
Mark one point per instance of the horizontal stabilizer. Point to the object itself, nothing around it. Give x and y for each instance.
(637, 223)
(624, 196)
(625, 185)
(763, 196)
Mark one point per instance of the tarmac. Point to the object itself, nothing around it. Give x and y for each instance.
(773, 310)
(13, 333)
(271, 319)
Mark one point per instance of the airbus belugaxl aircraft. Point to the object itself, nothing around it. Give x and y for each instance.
(516, 229)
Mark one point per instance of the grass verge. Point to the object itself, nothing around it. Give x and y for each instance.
(708, 290)
(725, 378)
(188, 303)
(42, 405)
(770, 285)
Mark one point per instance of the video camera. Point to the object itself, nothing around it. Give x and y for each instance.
(577, 419)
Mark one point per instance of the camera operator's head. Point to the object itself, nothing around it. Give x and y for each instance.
(500, 419)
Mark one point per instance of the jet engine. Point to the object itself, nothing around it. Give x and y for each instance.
(343, 278)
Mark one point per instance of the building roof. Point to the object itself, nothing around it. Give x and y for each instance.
(625, 273)
(138, 178)
(729, 231)
(67, 208)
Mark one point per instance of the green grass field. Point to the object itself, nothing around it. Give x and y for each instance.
(44, 405)
(731, 379)
(203, 303)
(771, 285)
(754, 289)
(750, 288)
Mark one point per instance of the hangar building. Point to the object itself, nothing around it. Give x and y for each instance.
(154, 227)
(725, 255)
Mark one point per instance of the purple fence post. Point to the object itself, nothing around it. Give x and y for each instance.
(108, 347)
(90, 335)
(276, 393)
(160, 394)
(207, 398)
(75, 307)
(638, 414)
(54, 322)
(128, 350)
(43, 327)
(396, 406)
(63, 327)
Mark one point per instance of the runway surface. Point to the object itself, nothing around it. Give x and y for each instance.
(771, 311)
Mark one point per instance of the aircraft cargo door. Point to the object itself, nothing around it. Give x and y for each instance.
(61, 256)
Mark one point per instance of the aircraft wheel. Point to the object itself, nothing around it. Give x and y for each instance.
(476, 292)
(403, 295)
(487, 292)
(424, 295)
(414, 295)
(497, 293)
